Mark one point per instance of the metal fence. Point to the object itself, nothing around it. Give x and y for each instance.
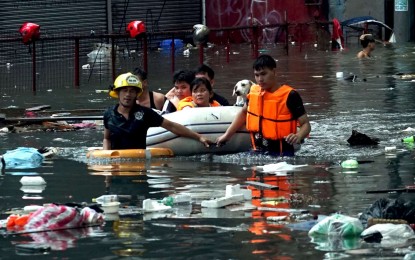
(74, 61)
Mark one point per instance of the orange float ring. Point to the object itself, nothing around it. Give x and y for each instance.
(131, 153)
(124, 168)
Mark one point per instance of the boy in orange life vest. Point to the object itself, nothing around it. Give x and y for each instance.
(272, 113)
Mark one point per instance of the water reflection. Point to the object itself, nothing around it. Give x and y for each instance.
(377, 104)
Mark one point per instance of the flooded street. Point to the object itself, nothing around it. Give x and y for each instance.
(377, 103)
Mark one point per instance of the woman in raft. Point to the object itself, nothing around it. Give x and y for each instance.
(202, 95)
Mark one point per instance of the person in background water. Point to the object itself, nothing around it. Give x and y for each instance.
(202, 95)
(181, 80)
(368, 44)
(148, 98)
(207, 72)
(272, 113)
(126, 123)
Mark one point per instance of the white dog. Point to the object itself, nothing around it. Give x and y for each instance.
(240, 90)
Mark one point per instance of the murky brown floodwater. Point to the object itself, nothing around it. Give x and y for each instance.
(376, 104)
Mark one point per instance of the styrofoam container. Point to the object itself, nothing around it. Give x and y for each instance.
(32, 180)
(111, 207)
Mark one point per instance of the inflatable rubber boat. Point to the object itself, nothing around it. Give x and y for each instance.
(210, 122)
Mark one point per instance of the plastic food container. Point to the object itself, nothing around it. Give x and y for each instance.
(111, 207)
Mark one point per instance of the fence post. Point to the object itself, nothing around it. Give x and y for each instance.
(201, 48)
(34, 66)
(286, 31)
(301, 37)
(255, 41)
(145, 58)
(113, 59)
(76, 65)
(172, 51)
(228, 48)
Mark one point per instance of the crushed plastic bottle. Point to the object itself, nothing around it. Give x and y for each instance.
(350, 164)
(409, 139)
(176, 199)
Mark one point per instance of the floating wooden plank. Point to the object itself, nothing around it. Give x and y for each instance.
(262, 185)
(407, 189)
(51, 119)
(38, 108)
(77, 112)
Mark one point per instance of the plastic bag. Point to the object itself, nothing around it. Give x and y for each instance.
(390, 230)
(335, 243)
(54, 217)
(339, 225)
(23, 158)
(389, 209)
(392, 234)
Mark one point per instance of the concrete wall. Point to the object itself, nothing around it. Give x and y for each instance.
(404, 23)
(354, 8)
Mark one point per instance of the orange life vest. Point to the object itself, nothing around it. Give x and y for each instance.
(268, 113)
(188, 102)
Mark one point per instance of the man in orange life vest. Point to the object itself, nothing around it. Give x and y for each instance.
(271, 114)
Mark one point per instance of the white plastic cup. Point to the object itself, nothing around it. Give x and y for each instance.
(339, 75)
(390, 149)
(110, 207)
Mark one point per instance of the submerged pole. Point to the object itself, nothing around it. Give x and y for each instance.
(76, 63)
(34, 66)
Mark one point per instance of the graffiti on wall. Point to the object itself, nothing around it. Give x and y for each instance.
(236, 13)
(283, 18)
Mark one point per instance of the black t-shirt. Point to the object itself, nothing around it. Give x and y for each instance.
(221, 100)
(295, 104)
(131, 133)
(168, 107)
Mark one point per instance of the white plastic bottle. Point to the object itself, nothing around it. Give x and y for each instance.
(106, 199)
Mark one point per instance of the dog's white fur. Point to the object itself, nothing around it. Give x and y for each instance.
(240, 90)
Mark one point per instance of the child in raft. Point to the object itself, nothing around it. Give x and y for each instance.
(202, 95)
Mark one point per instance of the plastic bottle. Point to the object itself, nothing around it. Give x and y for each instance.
(409, 139)
(105, 199)
(113, 197)
(176, 199)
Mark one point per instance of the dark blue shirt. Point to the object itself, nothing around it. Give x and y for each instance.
(131, 133)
